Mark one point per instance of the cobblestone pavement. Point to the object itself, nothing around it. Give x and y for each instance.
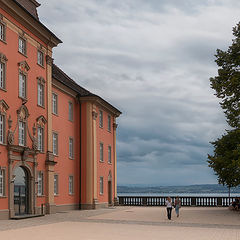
(127, 223)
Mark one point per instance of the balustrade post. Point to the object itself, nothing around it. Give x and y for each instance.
(144, 201)
(193, 201)
(219, 201)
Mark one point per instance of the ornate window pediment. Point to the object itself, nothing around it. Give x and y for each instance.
(41, 80)
(23, 113)
(23, 66)
(41, 121)
(3, 106)
(3, 58)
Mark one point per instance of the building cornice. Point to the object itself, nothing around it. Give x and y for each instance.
(27, 20)
(101, 103)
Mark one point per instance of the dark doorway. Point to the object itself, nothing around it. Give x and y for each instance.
(110, 192)
(21, 191)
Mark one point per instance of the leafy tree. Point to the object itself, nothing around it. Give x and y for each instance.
(226, 159)
(227, 83)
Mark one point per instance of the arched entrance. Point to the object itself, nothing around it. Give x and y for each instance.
(21, 191)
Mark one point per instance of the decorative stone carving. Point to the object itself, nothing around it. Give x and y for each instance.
(3, 58)
(3, 106)
(41, 80)
(23, 113)
(10, 137)
(94, 114)
(23, 66)
(49, 60)
(41, 121)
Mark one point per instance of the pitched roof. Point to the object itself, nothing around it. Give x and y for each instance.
(30, 6)
(63, 78)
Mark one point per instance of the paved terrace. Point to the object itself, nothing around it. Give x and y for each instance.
(127, 223)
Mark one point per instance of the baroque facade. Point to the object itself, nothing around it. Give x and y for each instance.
(57, 139)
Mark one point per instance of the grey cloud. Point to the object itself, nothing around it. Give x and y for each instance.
(151, 59)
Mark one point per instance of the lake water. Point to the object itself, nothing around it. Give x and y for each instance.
(179, 194)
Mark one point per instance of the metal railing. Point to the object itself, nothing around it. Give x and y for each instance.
(185, 201)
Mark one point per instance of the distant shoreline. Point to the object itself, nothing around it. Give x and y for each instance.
(121, 194)
(191, 190)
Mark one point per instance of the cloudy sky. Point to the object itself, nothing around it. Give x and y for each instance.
(152, 60)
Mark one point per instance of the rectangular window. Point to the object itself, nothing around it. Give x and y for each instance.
(2, 32)
(21, 133)
(54, 103)
(101, 152)
(109, 123)
(70, 185)
(40, 184)
(22, 46)
(2, 182)
(2, 129)
(101, 185)
(2, 75)
(55, 184)
(55, 144)
(71, 148)
(70, 111)
(40, 58)
(100, 119)
(109, 154)
(40, 95)
(22, 85)
(40, 139)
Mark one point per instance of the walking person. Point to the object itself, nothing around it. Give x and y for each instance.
(177, 205)
(169, 207)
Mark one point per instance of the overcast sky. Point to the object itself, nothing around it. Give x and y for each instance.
(152, 59)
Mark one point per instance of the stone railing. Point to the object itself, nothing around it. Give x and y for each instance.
(185, 201)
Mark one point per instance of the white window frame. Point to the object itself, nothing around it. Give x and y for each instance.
(2, 182)
(100, 118)
(40, 184)
(70, 111)
(22, 46)
(71, 148)
(40, 132)
(101, 188)
(22, 85)
(2, 75)
(55, 143)
(109, 123)
(109, 154)
(54, 103)
(101, 155)
(70, 185)
(22, 133)
(2, 31)
(40, 94)
(55, 184)
(2, 129)
(40, 58)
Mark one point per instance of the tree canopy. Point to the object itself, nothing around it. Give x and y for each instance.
(226, 158)
(226, 161)
(227, 83)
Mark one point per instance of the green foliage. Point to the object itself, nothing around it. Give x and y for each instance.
(227, 83)
(226, 158)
